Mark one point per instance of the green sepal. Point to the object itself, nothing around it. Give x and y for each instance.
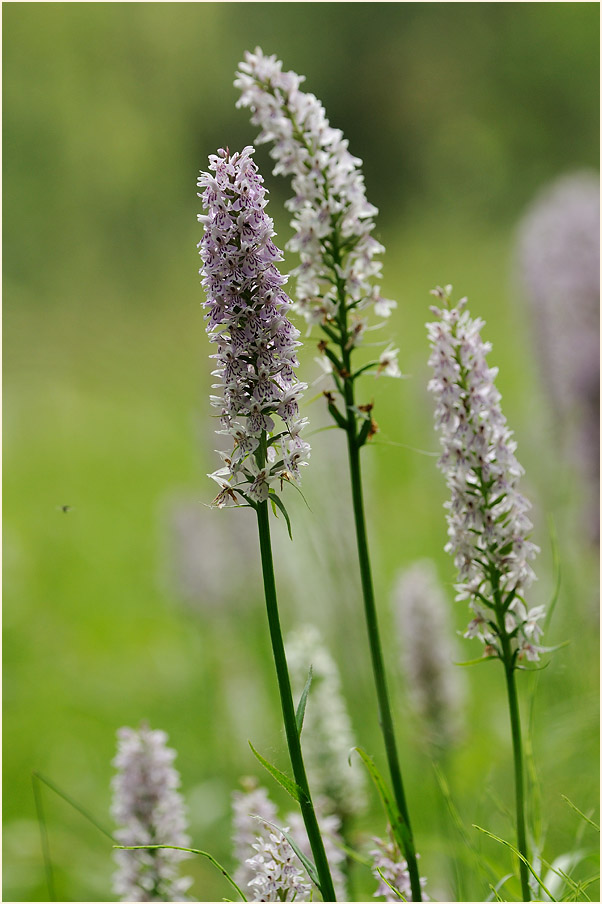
(299, 715)
(277, 501)
(287, 783)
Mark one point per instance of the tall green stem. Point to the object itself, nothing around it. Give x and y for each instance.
(378, 667)
(288, 709)
(517, 748)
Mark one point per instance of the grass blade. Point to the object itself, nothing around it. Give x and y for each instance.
(582, 815)
(398, 826)
(519, 855)
(43, 837)
(81, 810)
(174, 847)
(300, 713)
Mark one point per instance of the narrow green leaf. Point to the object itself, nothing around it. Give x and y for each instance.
(494, 896)
(363, 369)
(299, 715)
(398, 826)
(73, 804)
(336, 414)
(363, 434)
(174, 847)
(395, 891)
(582, 815)
(478, 661)
(519, 855)
(353, 855)
(307, 863)
(43, 836)
(277, 501)
(287, 783)
(495, 889)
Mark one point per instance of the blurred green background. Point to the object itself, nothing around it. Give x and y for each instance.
(461, 112)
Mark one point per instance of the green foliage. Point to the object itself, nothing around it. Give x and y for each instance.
(174, 847)
(300, 713)
(290, 786)
(460, 112)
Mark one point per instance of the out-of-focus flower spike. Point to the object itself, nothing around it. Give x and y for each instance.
(433, 683)
(391, 872)
(148, 809)
(327, 735)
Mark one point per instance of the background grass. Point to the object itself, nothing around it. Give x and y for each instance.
(461, 112)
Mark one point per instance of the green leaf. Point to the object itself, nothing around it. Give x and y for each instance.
(307, 863)
(582, 815)
(43, 837)
(363, 369)
(277, 501)
(478, 661)
(396, 821)
(72, 803)
(395, 891)
(495, 896)
(519, 855)
(174, 847)
(363, 434)
(299, 715)
(336, 414)
(287, 783)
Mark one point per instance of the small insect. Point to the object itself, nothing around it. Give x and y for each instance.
(65, 508)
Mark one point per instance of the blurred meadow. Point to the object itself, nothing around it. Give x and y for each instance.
(138, 602)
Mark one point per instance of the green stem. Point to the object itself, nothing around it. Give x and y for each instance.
(288, 709)
(378, 668)
(517, 749)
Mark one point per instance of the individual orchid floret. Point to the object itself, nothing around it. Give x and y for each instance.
(328, 734)
(434, 685)
(488, 527)
(148, 809)
(387, 363)
(332, 219)
(246, 311)
(391, 872)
